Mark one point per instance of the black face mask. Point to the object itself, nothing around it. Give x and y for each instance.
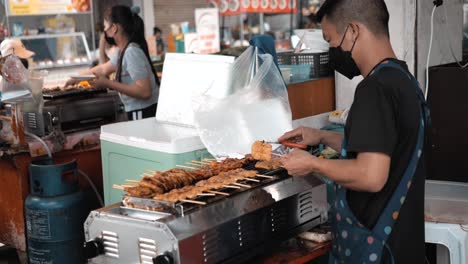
(109, 40)
(342, 61)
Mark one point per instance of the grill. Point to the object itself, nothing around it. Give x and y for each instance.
(53, 95)
(229, 228)
(181, 208)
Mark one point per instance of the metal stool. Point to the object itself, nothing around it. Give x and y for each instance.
(451, 236)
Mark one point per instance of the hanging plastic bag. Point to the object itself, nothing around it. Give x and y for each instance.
(256, 109)
(15, 83)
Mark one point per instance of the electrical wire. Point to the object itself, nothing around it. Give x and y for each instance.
(49, 153)
(98, 195)
(429, 53)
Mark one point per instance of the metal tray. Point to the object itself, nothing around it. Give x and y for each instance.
(446, 202)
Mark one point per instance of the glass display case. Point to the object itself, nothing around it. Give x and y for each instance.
(58, 50)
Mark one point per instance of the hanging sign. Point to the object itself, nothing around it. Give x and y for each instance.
(41, 7)
(235, 7)
(207, 24)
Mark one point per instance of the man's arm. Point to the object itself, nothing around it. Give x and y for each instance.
(331, 139)
(368, 172)
(311, 136)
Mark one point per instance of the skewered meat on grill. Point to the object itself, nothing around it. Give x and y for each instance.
(215, 182)
(139, 191)
(163, 182)
(262, 151)
(273, 164)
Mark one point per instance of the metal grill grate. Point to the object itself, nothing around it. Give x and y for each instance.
(147, 250)
(211, 249)
(306, 205)
(111, 244)
(279, 218)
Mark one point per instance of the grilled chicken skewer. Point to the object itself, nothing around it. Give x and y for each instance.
(215, 182)
(163, 182)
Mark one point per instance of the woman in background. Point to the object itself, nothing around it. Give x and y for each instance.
(135, 79)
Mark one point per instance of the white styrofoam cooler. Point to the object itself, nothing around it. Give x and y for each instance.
(130, 148)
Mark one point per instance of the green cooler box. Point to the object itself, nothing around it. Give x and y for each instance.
(128, 149)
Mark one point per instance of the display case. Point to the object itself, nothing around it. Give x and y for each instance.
(58, 50)
(61, 33)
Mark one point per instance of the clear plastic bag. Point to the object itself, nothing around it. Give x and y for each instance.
(15, 82)
(257, 108)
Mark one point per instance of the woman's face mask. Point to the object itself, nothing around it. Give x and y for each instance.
(109, 40)
(342, 61)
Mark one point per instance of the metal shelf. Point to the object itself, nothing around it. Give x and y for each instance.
(53, 14)
(54, 35)
(56, 66)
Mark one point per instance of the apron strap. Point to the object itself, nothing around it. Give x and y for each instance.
(384, 225)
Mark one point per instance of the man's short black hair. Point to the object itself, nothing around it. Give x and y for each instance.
(372, 13)
(156, 30)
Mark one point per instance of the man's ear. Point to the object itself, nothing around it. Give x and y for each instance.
(355, 30)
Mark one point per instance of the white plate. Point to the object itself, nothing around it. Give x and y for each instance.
(85, 77)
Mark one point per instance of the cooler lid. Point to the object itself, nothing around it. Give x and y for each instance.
(153, 135)
(186, 76)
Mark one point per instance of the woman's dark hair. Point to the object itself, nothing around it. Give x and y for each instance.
(156, 30)
(134, 27)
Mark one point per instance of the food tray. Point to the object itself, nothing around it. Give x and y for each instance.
(446, 202)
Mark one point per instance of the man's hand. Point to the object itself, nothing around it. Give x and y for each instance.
(298, 162)
(303, 135)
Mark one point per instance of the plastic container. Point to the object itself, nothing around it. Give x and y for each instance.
(318, 62)
(129, 149)
(446, 202)
(297, 73)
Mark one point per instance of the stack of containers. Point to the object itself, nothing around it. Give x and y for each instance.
(310, 61)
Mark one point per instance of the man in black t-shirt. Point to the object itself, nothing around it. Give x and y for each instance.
(381, 130)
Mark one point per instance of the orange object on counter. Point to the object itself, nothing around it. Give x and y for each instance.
(84, 84)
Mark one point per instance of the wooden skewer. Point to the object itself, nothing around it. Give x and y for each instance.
(186, 167)
(231, 187)
(220, 193)
(206, 194)
(252, 180)
(242, 185)
(118, 187)
(265, 176)
(146, 175)
(199, 162)
(210, 159)
(193, 202)
(132, 181)
(126, 185)
(151, 171)
(194, 164)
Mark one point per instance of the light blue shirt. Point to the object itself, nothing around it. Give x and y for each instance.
(135, 66)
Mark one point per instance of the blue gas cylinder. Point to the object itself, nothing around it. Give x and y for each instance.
(55, 212)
